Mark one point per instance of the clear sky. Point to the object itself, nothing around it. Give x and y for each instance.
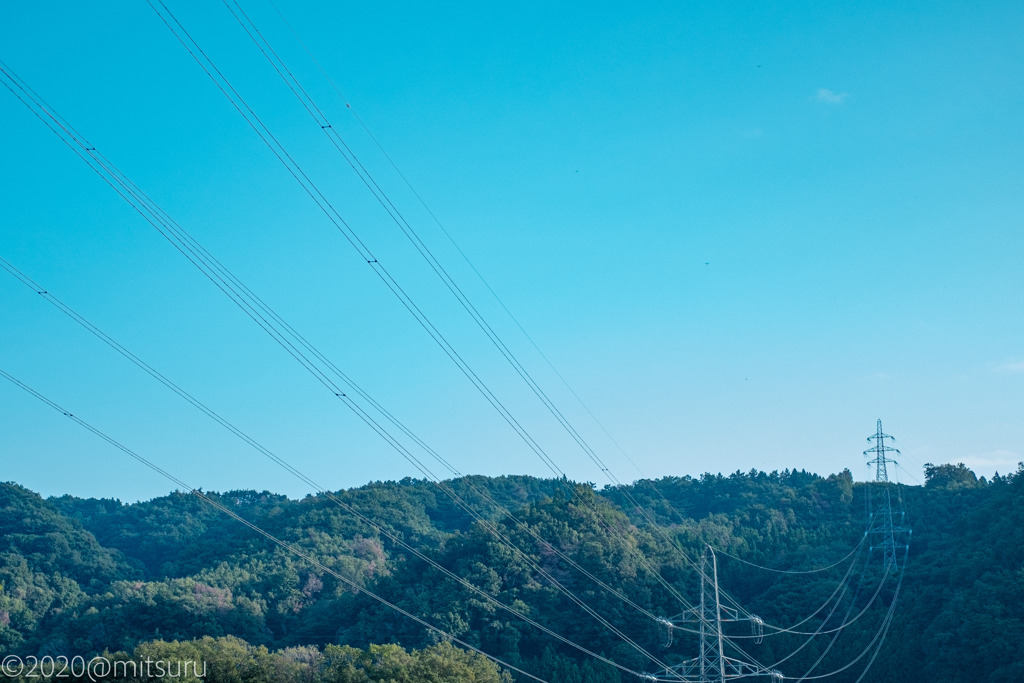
(743, 232)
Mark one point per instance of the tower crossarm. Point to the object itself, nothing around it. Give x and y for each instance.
(693, 616)
(879, 450)
(690, 671)
(712, 664)
(887, 522)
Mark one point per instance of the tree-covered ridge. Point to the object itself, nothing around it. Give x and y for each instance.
(82, 576)
(232, 660)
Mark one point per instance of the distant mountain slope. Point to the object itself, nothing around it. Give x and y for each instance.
(79, 576)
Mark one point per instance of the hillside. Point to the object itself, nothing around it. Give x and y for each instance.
(86, 576)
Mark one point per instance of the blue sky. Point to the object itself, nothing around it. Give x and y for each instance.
(741, 232)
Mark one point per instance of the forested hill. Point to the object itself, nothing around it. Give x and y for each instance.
(174, 576)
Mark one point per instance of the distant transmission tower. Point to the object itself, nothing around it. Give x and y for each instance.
(880, 449)
(883, 523)
(712, 665)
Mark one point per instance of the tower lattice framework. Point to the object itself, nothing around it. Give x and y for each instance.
(712, 665)
(886, 524)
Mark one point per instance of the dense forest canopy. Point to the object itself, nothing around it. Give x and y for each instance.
(175, 578)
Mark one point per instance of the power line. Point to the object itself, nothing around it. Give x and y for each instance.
(256, 309)
(450, 237)
(884, 523)
(218, 274)
(373, 262)
(713, 664)
(879, 637)
(266, 534)
(241, 106)
(311, 189)
(346, 507)
(890, 564)
(792, 571)
(407, 229)
(840, 589)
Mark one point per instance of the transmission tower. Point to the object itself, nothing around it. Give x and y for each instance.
(883, 524)
(880, 449)
(712, 665)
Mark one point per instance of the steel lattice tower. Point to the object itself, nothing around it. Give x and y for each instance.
(712, 665)
(883, 523)
(880, 449)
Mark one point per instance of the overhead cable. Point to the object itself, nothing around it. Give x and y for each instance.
(266, 534)
(257, 310)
